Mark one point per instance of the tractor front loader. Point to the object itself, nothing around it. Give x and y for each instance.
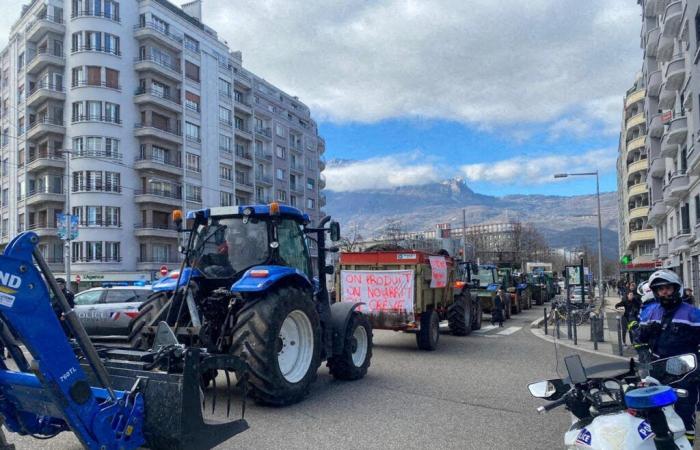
(111, 398)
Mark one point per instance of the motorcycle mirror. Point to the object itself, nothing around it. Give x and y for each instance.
(335, 231)
(542, 389)
(680, 365)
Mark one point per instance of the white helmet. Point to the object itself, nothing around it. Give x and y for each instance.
(645, 291)
(665, 277)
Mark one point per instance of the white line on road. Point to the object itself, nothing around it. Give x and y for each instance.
(485, 329)
(510, 330)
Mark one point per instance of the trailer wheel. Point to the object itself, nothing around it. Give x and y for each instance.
(515, 304)
(459, 317)
(429, 334)
(148, 312)
(281, 335)
(353, 363)
(478, 317)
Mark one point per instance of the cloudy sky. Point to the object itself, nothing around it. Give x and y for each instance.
(502, 93)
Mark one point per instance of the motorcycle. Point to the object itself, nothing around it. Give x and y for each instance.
(631, 410)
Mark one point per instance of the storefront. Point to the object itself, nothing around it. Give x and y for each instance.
(81, 281)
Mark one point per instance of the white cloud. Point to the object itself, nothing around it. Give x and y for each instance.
(381, 173)
(540, 169)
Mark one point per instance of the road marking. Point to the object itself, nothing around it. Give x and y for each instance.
(510, 330)
(485, 329)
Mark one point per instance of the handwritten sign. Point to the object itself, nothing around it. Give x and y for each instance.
(438, 265)
(381, 290)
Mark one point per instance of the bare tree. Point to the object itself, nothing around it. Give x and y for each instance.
(351, 239)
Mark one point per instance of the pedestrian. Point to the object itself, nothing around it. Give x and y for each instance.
(58, 310)
(498, 310)
(631, 305)
(669, 328)
(688, 297)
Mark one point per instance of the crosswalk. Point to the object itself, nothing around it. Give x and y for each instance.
(493, 331)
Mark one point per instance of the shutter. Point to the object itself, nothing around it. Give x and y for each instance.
(191, 97)
(94, 75)
(191, 71)
(112, 77)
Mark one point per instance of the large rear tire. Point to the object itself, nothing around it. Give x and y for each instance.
(281, 334)
(459, 317)
(353, 363)
(148, 312)
(429, 334)
(478, 317)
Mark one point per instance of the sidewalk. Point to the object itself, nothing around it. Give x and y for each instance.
(608, 347)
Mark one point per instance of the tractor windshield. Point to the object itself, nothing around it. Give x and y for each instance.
(226, 246)
(485, 277)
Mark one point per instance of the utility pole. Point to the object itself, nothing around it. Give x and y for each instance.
(464, 234)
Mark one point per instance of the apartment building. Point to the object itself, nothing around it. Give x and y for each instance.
(669, 38)
(636, 236)
(119, 111)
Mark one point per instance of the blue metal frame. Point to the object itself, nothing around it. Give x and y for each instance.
(60, 387)
(276, 274)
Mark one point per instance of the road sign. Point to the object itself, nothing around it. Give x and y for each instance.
(163, 270)
(73, 227)
(67, 226)
(61, 219)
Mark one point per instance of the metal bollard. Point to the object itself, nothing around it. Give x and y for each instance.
(594, 329)
(556, 325)
(619, 335)
(546, 319)
(573, 322)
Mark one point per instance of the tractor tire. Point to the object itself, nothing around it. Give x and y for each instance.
(268, 334)
(478, 317)
(148, 312)
(514, 305)
(428, 336)
(353, 363)
(459, 317)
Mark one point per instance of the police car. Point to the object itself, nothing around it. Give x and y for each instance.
(108, 311)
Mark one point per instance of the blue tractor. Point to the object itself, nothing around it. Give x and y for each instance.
(246, 288)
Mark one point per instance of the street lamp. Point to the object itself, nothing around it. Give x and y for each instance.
(600, 227)
(67, 214)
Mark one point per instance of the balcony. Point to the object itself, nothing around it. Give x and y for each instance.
(151, 162)
(634, 97)
(264, 132)
(264, 180)
(637, 189)
(321, 145)
(322, 181)
(44, 92)
(43, 59)
(45, 160)
(43, 230)
(44, 196)
(263, 156)
(244, 185)
(654, 84)
(694, 161)
(243, 105)
(43, 25)
(656, 126)
(652, 41)
(642, 235)
(636, 143)
(664, 50)
(297, 188)
(637, 166)
(163, 133)
(156, 33)
(657, 213)
(155, 230)
(144, 96)
(680, 242)
(321, 164)
(657, 167)
(638, 212)
(244, 132)
(43, 126)
(159, 196)
(662, 251)
(321, 201)
(671, 22)
(244, 157)
(674, 135)
(297, 168)
(152, 64)
(667, 98)
(675, 73)
(676, 188)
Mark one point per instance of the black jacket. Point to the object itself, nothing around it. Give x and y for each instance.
(632, 307)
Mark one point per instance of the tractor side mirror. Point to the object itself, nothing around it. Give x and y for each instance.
(335, 231)
(334, 249)
(329, 270)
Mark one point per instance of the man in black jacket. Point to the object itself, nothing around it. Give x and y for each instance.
(632, 303)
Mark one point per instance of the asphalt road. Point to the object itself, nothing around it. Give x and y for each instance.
(471, 393)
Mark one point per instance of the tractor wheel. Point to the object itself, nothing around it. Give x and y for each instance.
(148, 312)
(281, 335)
(459, 317)
(429, 334)
(353, 363)
(478, 317)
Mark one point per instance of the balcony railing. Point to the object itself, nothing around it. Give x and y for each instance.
(154, 226)
(46, 121)
(97, 48)
(158, 127)
(96, 118)
(47, 86)
(264, 131)
(159, 193)
(97, 259)
(97, 154)
(96, 188)
(111, 15)
(158, 259)
(104, 223)
(45, 51)
(160, 62)
(88, 83)
(153, 26)
(157, 93)
(148, 156)
(44, 155)
(243, 154)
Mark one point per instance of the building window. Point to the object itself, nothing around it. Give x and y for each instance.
(192, 132)
(224, 87)
(279, 174)
(225, 143)
(112, 216)
(279, 130)
(191, 44)
(225, 172)
(697, 209)
(293, 200)
(224, 115)
(192, 101)
(192, 71)
(194, 193)
(310, 203)
(160, 24)
(112, 113)
(240, 123)
(281, 195)
(281, 152)
(112, 78)
(225, 198)
(193, 162)
(310, 183)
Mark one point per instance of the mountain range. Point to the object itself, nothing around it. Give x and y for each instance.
(565, 221)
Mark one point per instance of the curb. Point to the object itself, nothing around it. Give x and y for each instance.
(536, 325)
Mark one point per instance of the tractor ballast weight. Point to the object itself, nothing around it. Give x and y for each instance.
(110, 400)
(247, 272)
